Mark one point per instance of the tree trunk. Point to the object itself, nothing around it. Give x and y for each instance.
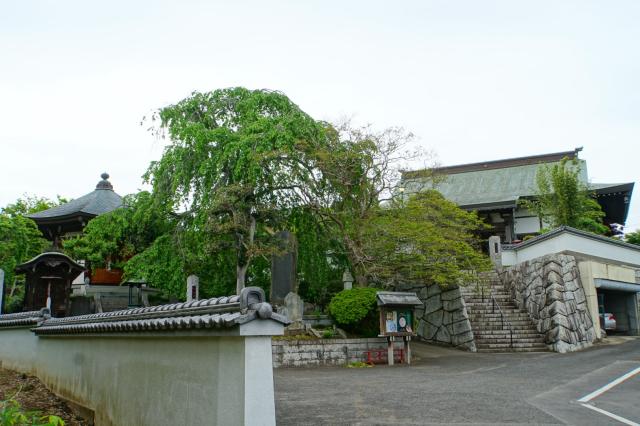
(13, 287)
(242, 259)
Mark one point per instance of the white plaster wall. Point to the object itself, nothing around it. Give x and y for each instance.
(152, 380)
(18, 349)
(527, 225)
(566, 242)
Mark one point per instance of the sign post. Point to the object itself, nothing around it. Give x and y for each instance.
(397, 320)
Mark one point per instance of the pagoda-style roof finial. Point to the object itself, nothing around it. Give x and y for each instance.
(104, 183)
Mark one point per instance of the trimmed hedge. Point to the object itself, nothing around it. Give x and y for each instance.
(355, 310)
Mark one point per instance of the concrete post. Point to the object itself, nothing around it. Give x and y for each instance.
(193, 288)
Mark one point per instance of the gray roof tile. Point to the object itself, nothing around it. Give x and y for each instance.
(23, 318)
(217, 312)
(102, 200)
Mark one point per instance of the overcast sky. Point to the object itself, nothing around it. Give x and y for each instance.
(474, 80)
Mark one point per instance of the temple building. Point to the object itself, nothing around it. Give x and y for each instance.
(494, 189)
(69, 219)
(72, 287)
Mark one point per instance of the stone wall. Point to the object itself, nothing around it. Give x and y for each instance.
(549, 288)
(443, 319)
(320, 352)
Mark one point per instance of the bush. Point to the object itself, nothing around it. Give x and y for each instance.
(11, 413)
(355, 311)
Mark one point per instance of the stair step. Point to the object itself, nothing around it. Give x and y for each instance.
(507, 341)
(494, 327)
(508, 345)
(503, 350)
(516, 333)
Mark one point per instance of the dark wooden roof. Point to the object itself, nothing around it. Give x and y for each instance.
(102, 200)
(51, 259)
(397, 298)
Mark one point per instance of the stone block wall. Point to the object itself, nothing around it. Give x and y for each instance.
(550, 290)
(321, 352)
(443, 319)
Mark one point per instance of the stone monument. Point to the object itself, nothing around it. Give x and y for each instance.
(293, 310)
(283, 269)
(347, 280)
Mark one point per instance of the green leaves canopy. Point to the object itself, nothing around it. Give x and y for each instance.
(20, 240)
(233, 163)
(562, 199)
(425, 239)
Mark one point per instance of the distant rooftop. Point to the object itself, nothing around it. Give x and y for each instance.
(101, 200)
(499, 184)
(498, 164)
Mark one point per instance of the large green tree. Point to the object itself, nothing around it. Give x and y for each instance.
(423, 239)
(232, 164)
(385, 238)
(563, 199)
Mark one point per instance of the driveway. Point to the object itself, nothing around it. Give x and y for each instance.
(597, 386)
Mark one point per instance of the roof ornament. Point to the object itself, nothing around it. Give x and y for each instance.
(104, 183)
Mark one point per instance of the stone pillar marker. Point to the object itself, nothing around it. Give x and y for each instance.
(347, 280)
(1, 291)
(495, 250)
(193, 288)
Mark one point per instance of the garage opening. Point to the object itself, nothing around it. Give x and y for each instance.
(619, 299)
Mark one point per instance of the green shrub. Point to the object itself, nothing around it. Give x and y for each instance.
(11, 413)
(355, 311)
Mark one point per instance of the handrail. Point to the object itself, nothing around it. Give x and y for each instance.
(495, 303)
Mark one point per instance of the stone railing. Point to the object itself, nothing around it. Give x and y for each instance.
(202, 362)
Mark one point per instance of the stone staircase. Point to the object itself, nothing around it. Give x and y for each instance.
(491, 333)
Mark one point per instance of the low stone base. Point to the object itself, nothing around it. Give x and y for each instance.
(443, 319)
(324, 352)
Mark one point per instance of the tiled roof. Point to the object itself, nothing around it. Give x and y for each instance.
(51, 259)
(219, 312)
(493, 186)
(23, 318)
(397, 298)
(102, 200)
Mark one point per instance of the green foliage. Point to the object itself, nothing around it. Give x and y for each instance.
(321, 261)
(359, 364)
(425, 239)
(233, 163)
(20, 241)
(11, 414)
(355, 310)
(562, 198)
(116, 236)
(327, 334)
(633, 237)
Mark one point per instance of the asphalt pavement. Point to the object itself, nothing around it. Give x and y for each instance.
(446, 386)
